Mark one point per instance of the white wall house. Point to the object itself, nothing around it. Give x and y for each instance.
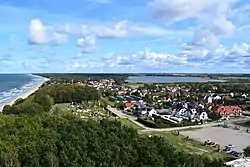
(217, 97)
(203, 116)
(209, 99)
(151, 112)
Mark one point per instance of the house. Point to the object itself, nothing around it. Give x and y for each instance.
(128, 105)
(229, 110)
(147, 112)
(232, 94)
(209, 100)
(244, 96)
(203, 116)
(217, 97)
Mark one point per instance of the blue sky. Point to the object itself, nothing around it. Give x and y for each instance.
(125, 36)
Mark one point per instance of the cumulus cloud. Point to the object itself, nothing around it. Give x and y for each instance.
(178, 10)
(118, 29)
(40, 34)
(211, 15)
(144, 59)
(86, 43)
(37, 32)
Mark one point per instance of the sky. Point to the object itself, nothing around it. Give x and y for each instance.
(118, 36)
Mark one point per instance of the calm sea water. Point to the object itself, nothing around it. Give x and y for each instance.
(14, 85)
(167, 79)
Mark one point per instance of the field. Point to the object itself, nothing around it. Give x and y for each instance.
(87, 114)
(181, 142)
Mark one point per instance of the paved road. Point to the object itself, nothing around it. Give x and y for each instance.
(120, 114)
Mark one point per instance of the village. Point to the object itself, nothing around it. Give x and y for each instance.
(212, 109)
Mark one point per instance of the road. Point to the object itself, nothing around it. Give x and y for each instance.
(120, 114)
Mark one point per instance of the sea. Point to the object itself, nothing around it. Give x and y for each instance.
(13, 86)
(168, 79)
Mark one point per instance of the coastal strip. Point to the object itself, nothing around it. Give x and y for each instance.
(26, 92)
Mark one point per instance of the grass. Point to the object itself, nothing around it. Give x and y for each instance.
(126, 122)
(129, 123)
(182, 143)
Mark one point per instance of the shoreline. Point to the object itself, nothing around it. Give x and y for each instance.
(34, 87)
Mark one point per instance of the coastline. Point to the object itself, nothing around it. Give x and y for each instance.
(27, 92)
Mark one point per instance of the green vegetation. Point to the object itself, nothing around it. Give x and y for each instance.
(161, 123)
(247, 151)
(84, 77)
(182, 143)
(37, 133)
(128, 123)
(43, 100)
(67, 141)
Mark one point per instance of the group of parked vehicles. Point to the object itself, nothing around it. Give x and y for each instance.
(227, 149)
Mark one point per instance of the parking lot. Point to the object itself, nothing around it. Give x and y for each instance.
(222, 136)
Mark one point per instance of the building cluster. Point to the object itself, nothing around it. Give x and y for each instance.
(182, 103)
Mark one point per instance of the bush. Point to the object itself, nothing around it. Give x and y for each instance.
(247, 151)
(147, 123)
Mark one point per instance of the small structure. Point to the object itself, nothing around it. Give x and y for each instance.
(209, 100)
(217, 97)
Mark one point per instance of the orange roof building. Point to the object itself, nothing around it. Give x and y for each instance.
(229, 110)
(128, 104)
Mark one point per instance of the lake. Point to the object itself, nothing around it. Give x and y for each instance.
(167, 79)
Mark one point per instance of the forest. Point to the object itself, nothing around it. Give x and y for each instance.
(83, 77)
(65, 141)
(42, 100)
(33, 136)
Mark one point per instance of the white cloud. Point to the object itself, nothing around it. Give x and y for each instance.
(144, 59)
(40, 34)
(87, 43)
(75, 65)
(118, 30)
(222, 26)
(37, 32)
(59, 38)
(211, 16)
(178, 10)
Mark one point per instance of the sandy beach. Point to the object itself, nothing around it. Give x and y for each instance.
(25, 93)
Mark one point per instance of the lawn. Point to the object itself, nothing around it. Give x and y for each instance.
(126, 122)
(129, 123)
(181, 142)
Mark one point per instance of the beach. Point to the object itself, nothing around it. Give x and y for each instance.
(29, 89)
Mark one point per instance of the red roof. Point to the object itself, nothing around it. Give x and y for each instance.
(128, 104)
(229, 109)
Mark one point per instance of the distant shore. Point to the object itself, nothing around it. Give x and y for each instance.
(26, 93)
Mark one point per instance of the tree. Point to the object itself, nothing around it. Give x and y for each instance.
(6, 109)
(247, 151)
(137, 93)
(44, 100)
(27, 108)
(104, 102)
(18, 101)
